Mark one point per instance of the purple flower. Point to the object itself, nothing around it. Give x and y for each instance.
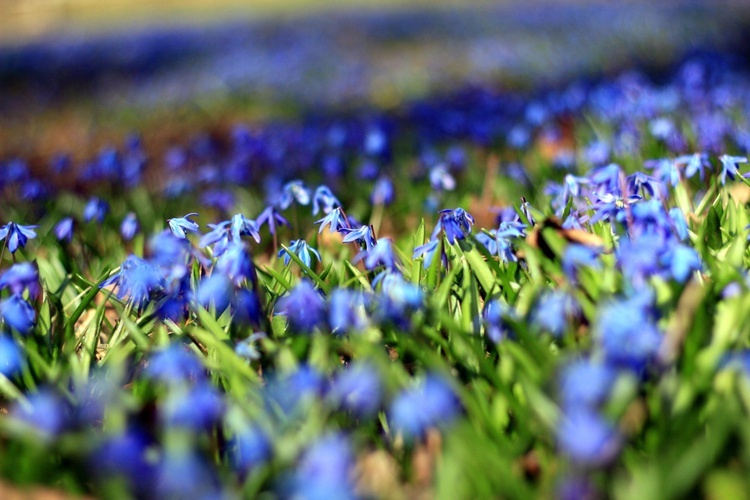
(22, 277)
(325, 199)
(64, 229)
(241, 225)
(456, 224)
(334, 220)
(219, 236)
(681, 261)
(382, 192)
(294, 191)
(499, 241)
(303, 307)
(554, 312)
(301, 249)
(198, 407)
(44, 411)
(380, 254)
(586, 382)
(496, 317)
(250, 448)
(215, 290)
(358, 389)
(271, 217)
(346, 311)
(362, 235)
(427, 251)
(432, 403)
(17, 235)
(325, 470)
(236, 264)
(182, 225)
(587, 438)
(577, 256)
(129, 227)
(174, 364)
(627, 333)
(11, 356)
(124, 456)
(729, 167)
(17, 313)
(137, 279)
(95, 209)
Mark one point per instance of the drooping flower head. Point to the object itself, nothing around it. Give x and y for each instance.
(301, 249)
(17, 235)
(180, 226)
(456, 224)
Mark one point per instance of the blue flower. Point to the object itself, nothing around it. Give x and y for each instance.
(302, 250)
(626, 331)
(198, 407)
(95, 209)
(586, 382)
(219, 236)
(346, 311)
(694, 163)
(334, 220)
(325, 471)
(382, 192)
(246, 308)
(554, 312)
(182, 225)
(499, 241)
(303, 307)
(124, 456)
(577, 256)
(17, 313)
(293, 392)
(496, 317)
(432, 403)
(358, 389)
(22, 277)
(441, 179)
(427, 251)
(456, 224)
(363, 235)
(45, 411)
(246, 348)
(64, 229)
(241, 225)
(183, 473)
(679, 223)
(325, 199)
(294, 191)
(129, 227)
(11, 356)
(587, 438)
(167, 250)
(174, 364)
(729, 167)
(137, 279)
(250, 447)
(380, 254)
(681, 261)
(236, 264)
(17, 235)
(271, 217)
(215, 290)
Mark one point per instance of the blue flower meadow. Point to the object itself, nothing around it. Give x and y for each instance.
(482, 293)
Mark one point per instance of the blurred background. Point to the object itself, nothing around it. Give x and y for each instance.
(76, 75)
